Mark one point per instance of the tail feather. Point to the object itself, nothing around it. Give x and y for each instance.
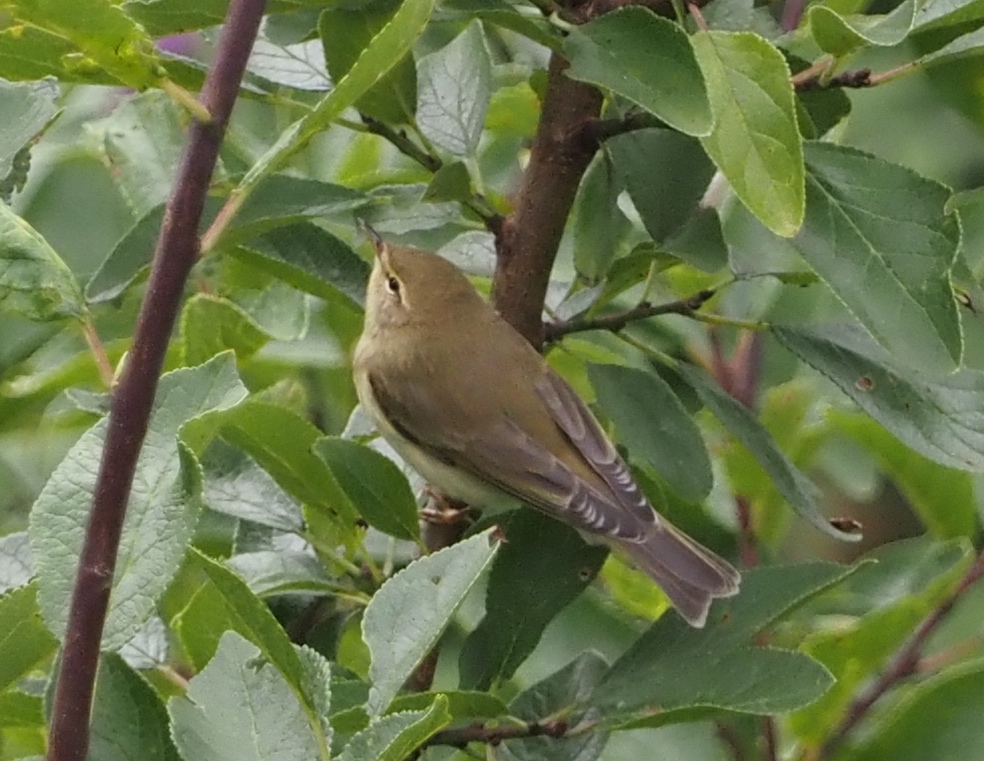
(690, 575)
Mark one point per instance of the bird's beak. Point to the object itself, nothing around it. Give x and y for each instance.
(377, 242)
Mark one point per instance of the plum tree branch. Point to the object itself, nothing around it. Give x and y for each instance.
(133, 397)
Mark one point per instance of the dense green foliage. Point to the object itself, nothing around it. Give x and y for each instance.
(824, 359)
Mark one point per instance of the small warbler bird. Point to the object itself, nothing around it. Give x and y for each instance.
(476, 410)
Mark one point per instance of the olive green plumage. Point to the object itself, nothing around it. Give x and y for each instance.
(476, 410)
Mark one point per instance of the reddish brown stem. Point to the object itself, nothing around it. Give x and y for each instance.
(177, 249)
(562, 149)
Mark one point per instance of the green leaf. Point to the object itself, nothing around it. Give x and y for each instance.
(905, 583)
(839, 35)
(880, 236)
(942, 497)
(375, 486)
(300, 65)
(542, 566)
(128, 718)
(793, 485)
(34, 281)
(235, 485)
(241, 707)
(24, 640)
(501, 13)
(385, 50)
(410, 611)
(462, 704)
(279, 572)
(398, 735)
(646, 59)
(282, 442)
(450, 183)
(650, 420)
(142, 141)
(936, 417)
(309, 259)
(211, 324)
(454, 92)
(162, 509)
(345, 33)
(18, 709)
(28, 109)
(666, 175)
(755, 142)
(103, 38)
(563, 693)
(678, 670)
(940, 718)
(940, 14)
(16, 562)
(597, 224)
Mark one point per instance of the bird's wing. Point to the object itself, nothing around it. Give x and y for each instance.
(504, 455)
(574, 418)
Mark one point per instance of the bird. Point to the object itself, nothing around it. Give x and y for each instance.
(474, 408)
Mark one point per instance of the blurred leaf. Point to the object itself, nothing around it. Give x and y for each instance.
(795, 487)
(24, 640)
(938, 418)
(942, 497)
(666, 175)
(905, 583)
(880, 236)
(241, 707)
(211, 324)
(461, 704)
(450, 183)
(454, 92)
(235, 485)
(940, 718)
(755, 141)
(376, 487)
(142, 141)
(560, 694)
(541, 567)
(620, 51)
(686, 673)
(34, 281)
(300, 65)
(16, 562)
(503, 14)
(650, 420)
(309, 259)
(411, 610)
(128, 718)
(597, 224)
(397, 736)
(473, 252)
(28, 109)
(18, 709)
(839, 35)
(162, 508)
(282, 572)
(345, 33)
(386, 49)
(104, 38)
(936, 14)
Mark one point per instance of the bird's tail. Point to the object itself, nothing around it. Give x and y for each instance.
(690, 574)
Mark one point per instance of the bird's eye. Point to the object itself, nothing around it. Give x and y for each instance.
(393, 285)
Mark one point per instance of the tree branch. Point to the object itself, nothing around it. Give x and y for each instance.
(528, 240)
(904, 663)
(133, 398)
(616, 322)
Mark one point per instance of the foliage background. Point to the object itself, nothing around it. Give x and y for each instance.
(253, 487)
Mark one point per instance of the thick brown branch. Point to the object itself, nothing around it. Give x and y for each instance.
(905, 662)
(562, 149)
(616, 322)
(133, 397)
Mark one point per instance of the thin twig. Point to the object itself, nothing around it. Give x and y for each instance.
(483, 733)
(619, 320)
(903, 664)
(133, 397)
(103, 364)
(848, 79)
